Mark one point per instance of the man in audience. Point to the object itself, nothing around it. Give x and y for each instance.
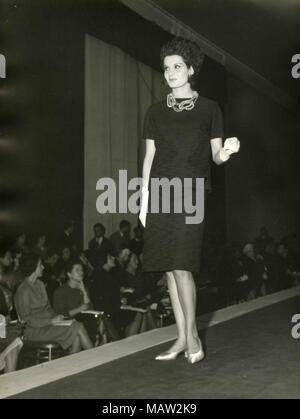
(67, 238)
(121, 239)
(99, 246)
(51, 272)
(262, 240)
(137, 243)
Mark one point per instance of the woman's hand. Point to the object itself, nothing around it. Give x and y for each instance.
(57, 319)
(231, 145)
(83, 307)
(144, 206)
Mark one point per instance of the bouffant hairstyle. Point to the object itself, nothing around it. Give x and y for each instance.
(29, 263)
(190, 52)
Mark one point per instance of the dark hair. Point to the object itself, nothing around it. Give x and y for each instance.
(28, 263)
(99, 225)
(70, 265)
(69, 224)
(124, 224)
(126, 264)
(190, 52)
(4, 248)
(51, 252)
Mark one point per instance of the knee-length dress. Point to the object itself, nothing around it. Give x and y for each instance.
(183, 150)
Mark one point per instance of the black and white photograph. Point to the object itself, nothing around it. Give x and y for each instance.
(149, 202)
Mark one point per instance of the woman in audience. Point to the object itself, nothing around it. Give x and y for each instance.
(10, 342)
(140, 297)
(33, 307)
(284, 268)
(72, 299)
(256, 271)
(105, 294)
(40, 246)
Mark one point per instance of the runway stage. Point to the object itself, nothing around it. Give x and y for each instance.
(250, 354)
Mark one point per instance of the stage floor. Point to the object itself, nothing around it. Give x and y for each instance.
(251, 356)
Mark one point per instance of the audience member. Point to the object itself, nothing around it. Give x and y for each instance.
(72, 299)
(137, 243)
(67, 238)
(121, 239)
(10, 342)
(255, 269)
(33, 307)
(99, 246)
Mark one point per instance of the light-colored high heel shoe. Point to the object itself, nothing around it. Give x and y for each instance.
(169, 356)
(197, 356)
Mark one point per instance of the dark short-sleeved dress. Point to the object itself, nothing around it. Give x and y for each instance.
(183, 150)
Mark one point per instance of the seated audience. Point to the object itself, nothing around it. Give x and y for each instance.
(33, 307)
(105, 294)
(140, 297)
(10, 342)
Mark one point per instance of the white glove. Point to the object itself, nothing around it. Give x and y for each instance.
(231, 145)
(144, 206)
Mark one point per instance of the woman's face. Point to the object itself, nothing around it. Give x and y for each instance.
(133, 264)
(39, 270)
(66, 254)
(42, 241)
(7, 260)
(176, 71)
(77, 273)
(21, 240)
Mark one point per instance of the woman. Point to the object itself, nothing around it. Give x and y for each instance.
(256, 271)
(40, 246)
(33, 307)
(10, 342)
(71, 299)
(140, 298)
(180, 133)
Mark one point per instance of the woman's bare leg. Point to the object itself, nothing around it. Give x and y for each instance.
(11, 360)
(84, 338)
(187, 296)
(180, 342)
(134, 327)
(150, 321)
(143, 324)
(76, 346)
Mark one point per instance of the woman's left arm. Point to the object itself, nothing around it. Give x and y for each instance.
(220, 154)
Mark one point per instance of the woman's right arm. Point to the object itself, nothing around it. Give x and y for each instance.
(149, 155)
